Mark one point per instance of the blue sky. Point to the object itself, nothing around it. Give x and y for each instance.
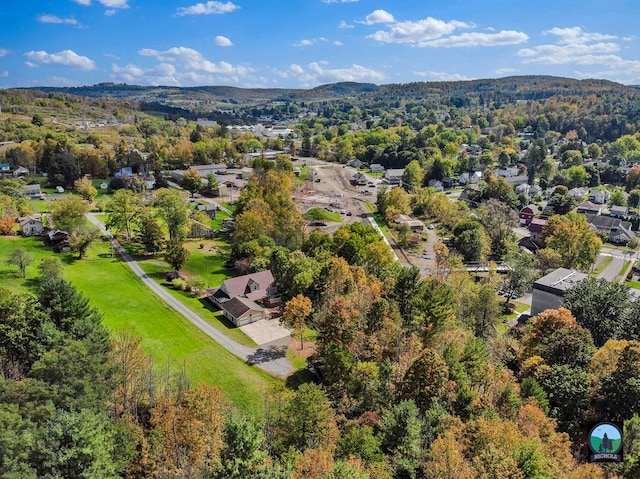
(305, 43)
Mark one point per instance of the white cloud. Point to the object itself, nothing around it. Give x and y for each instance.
(574, 46)
(4, 74)
(505, 71)
(106, 3)
(477, 39)
(309, 42)
(442, 76)
(209, 8)
(109, 13)
(378, 16)
(4, 52)
(114, 3)
(316, 73)
(222, 41)
(66, 57)
(57, 19)
(575, 35)
(419, 31)
(31, 65)
(181, 66)
(338, 43)
(344, 24)
(161, 74)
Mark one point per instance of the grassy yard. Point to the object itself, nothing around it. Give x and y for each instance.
(126, 303)
(207, 264)
(320, 214)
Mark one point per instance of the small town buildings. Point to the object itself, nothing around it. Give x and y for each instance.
(449, 182)
(548, 291)
(31, 225)
(414, 224)
(59, 240)
(216, 169)
(376, 168)
(506, 172)
(394, 176)
(355, 163)
(360, 179)
(616, 230)
(436, 185)
(528, 213)
(599, 197)
(618, 211)
(209, 209)
(244, 299)
(470, 178)
(588, 208)
(536, 226)
(20, 172)
(32, 191)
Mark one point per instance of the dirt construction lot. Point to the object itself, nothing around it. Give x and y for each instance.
(335, 192)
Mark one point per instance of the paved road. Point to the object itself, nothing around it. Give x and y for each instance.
(269, 357)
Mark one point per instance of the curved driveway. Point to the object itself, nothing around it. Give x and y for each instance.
(269, 357)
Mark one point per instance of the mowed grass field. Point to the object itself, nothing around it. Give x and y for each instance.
(127, 304)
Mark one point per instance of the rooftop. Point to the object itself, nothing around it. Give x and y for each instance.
(560, 280)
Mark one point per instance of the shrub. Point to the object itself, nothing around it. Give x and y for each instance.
(179, 283)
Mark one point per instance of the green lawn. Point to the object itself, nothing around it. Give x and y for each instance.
(167, 336)
(321, 214)
(206, 264)
(633, 284)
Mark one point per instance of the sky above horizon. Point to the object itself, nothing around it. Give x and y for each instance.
(305, 43)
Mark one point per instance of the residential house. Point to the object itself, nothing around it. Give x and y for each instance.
(243, 299)
(470, 178)
(616, 230)
(413, 224)
(59, 240)
(32, 191)
(536, 226)
(534, 191)
(394, 176)
(241, 311)
(578, 193)
(376, 168)
(599, 197)
(31, 225)
(359, 179)
(20, 172)
(449, 182)
(355, 163)
(506, 172)
(436, 185)
(548, 291)
(618, 211)
(216, 169)
(516, 180)
(209, 209)
(588, 208)
(523, 189)
(528, 213)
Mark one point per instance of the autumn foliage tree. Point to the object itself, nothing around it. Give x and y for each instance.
(572, 237)
(296, 311)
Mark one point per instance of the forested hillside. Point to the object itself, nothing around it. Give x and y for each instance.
(415, 374)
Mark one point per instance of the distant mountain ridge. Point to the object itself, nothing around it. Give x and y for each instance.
(481, 92)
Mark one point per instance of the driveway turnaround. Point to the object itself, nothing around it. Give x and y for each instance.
(270, 357)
